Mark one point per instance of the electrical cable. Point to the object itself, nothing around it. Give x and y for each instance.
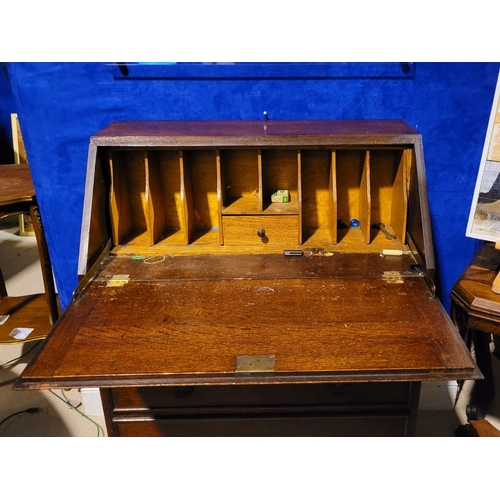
(66, 401)
(28, 410)
(8, 363)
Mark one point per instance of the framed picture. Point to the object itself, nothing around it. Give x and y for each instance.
(484, 217)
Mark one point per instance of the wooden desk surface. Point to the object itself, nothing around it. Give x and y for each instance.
(16, 185)
(170, 325)
(473, 289)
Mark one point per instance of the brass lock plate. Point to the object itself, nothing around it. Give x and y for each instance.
(118, 280)
(259, 363)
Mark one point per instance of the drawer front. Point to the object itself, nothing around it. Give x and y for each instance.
(287, 426)
(360, 394)
(245, 230)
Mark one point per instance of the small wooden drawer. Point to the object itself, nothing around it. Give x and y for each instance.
(135, 399)
(261, 230)
(329, 425)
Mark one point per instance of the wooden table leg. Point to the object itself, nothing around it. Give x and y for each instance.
(484, 390)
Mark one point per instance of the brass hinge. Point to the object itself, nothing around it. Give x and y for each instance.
(392, 277)
(118, 280)
(262, 363)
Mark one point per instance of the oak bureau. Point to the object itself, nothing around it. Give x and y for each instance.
(208, 305)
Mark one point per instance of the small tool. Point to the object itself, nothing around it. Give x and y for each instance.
(293, 253)
(388, 235)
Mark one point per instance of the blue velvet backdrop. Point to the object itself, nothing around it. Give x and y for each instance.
(7, 107)
(60, 105)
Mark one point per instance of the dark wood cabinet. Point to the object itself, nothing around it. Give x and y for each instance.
(192, 318)
(337, 409)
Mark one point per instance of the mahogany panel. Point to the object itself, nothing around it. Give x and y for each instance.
(16, 184)
(269, 266)
(254, 133)
(187, 399)
(284, 426)
(193, 329)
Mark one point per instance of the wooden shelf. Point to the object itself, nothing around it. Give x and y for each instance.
(172, 195)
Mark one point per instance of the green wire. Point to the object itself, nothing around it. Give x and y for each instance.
(66, 401)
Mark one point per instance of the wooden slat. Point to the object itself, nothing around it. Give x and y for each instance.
(121, 218)
(221, 182)
(155, 208)
(261, 185)
(399, 205)
(365, 201)
(299, 194)
(332, 195)
(187, 215)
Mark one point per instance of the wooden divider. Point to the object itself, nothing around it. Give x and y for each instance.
(332, 192)
(163, 190)
(299, 193)
(399, 212)
(261, 186)
(220, 194)
(187, 213)
(127, 196)
(365, 200)
(177, 197)
(155, 207)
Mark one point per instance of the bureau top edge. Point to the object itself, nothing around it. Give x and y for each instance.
(227, 133)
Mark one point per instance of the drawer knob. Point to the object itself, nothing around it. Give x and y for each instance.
(339, 389)
(261, 232)
(183, 392)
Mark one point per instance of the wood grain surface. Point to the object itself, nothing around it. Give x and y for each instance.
(473, 288)
(254, 133)
(15, 184)
(191, 329)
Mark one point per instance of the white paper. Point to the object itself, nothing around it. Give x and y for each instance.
(4, 318)
(20, 333)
